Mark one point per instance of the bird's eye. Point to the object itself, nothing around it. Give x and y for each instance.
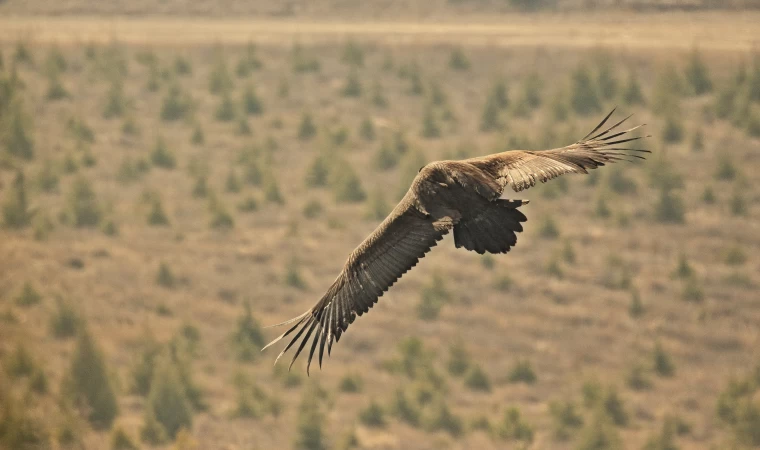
(420, 169)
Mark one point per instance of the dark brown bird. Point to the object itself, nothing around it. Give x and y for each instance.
(460, 195)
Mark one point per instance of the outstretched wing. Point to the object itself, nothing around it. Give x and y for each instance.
(396, 246)
(521, 169)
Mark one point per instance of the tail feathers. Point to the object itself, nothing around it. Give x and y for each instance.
(493, 229)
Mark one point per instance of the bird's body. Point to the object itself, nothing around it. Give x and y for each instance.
(461, 195)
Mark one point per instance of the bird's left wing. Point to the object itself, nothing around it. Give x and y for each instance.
(396, 246)
(521, 169)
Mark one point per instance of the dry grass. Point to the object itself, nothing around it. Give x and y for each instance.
(713, 30)
(570, 329)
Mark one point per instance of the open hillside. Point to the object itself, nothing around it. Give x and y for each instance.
(160, 203)
(340, 9)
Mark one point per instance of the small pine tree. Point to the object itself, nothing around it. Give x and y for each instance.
(606, 80)
(442, 419)
(272, 192)
(662, 362)
(182, 66)
(386, 157)
(489, 120)
(673, 132)
(531, 95)
(176, 105)
(632, 94)
(636, 308)
(599, 433)
(17, 131)
(16, 212)
(116, 104)
(522, 372)
(152, 431)
(692, 291)
(249, 62)
(248, 339)
(221, 218)
(347, 185)
(669, 208)
(430, 128)
(168, 401)
(584, 99)
(637, 378)
(350, 384)
(252, 104)
(220, 80)
(28, 295)
(157, 216)
(313, 208)
(226, 111)
(378, 207)
(433, 297)
(56, 89)
(669, 87)
(302, 62)
(120, 440)
(405, 409)
(353, 54)
(458, 60)
(753, 123)
(19, 363)
(514, 427)
(697, 75)
(726, 169)
(87, 383)
(165, 277)
(477, 380)
(310, 433)
(415, 82)
(566, 419)
(200, 189)
(154, 78)
(198, 138)
(19, 427)
(161, 156)
(84, 209)
(307, 129)
(232, 184)
(367, 129)
(373, 415)
(549, 228)
(142, 372)
(378, 96)
(459, 359)
(65, 322)
(353, 86)
(293, 276)
(614, 407)
(318, 172)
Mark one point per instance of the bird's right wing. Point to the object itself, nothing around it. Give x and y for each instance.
(521, 169)
(396, 246)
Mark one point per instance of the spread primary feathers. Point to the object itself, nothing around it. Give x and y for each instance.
(460, 195)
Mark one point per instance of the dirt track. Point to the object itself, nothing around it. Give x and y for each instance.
(710, 31)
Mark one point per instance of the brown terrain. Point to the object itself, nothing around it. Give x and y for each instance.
(627, 316)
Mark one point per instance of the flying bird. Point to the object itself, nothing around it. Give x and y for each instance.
(462, 195)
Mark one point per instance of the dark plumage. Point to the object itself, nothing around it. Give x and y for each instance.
(463, 195)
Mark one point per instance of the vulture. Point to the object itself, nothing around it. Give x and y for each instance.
(463, 196)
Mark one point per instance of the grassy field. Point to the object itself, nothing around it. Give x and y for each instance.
(332, 9)
(166, 191)
(729, 32)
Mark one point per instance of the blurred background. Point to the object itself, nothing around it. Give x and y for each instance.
(175, 175)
